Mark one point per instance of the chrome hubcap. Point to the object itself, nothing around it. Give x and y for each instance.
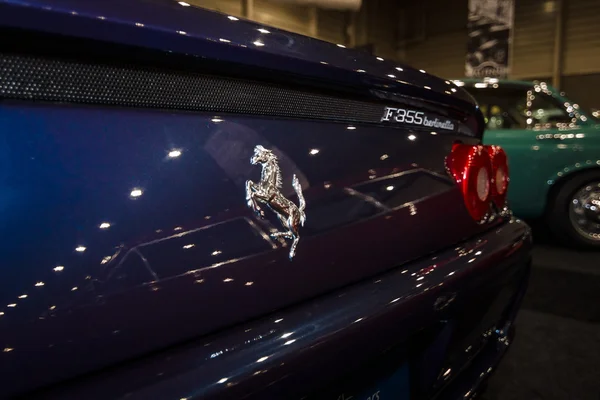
(584, 211)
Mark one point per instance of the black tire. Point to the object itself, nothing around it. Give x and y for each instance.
(558, 217)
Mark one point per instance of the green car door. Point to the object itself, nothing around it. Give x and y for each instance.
(553, 151)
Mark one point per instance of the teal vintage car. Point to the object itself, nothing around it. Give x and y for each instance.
(553, 150)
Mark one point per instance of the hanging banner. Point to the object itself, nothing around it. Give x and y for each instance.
(490, 28)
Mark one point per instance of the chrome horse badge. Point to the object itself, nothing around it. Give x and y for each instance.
(267, 191)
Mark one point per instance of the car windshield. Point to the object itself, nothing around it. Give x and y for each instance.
(503, 107)
(506, 107)
(592, 112)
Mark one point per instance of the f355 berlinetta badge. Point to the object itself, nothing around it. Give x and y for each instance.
(267, 191)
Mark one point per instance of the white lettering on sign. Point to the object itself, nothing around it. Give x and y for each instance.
(402, 115)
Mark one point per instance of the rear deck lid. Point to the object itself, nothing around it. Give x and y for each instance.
(126, 221)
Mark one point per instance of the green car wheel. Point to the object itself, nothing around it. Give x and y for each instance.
(574, 210)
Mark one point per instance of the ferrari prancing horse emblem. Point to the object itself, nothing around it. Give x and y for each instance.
(267, 191)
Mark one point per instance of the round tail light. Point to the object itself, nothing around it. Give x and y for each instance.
(471, 167)
(500, 177)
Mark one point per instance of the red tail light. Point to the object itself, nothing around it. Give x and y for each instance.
(500, 175)
(471, 167)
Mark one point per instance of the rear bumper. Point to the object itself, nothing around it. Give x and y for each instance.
(295, 352)
(471, 379)
(483, 365)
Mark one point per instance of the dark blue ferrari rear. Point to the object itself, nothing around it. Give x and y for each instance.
(195, 207)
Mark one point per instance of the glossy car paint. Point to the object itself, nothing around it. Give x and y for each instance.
(189, 236)
(346, 328)
(544, 156)
(126, 231)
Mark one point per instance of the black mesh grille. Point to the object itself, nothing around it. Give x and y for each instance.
(31, 78)
(57, 80)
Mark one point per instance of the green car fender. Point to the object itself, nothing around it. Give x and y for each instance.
(528, 195)
(568, 171)
(555, 181)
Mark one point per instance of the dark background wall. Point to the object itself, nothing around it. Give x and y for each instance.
(542, 27)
